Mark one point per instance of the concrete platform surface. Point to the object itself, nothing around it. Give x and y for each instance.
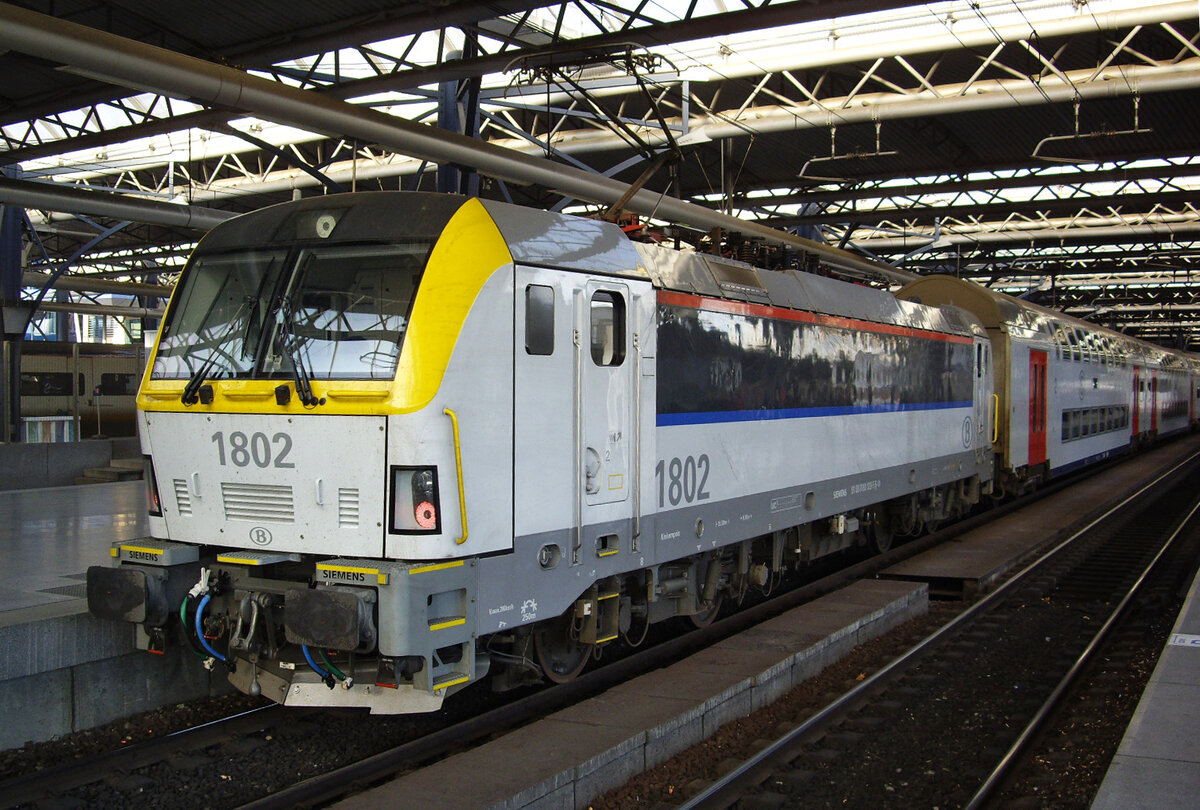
(577, 754)
(62, 669)
(1157, 766)
(976, 559)
(49, 538)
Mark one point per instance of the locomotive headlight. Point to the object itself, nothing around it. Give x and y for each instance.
(414, 503)
(153, 502)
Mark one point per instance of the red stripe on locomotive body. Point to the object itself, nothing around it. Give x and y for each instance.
(779, 313)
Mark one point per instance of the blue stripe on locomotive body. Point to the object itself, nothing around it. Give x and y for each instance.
(763, 363)
(713, 417)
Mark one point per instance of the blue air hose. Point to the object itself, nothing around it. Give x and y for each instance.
(200, 632)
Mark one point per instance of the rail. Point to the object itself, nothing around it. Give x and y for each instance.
(725, 789)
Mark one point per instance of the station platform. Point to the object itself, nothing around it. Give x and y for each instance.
(63, 670)
(571, 757)
(568, 759)
(49, 537)
(975, 560)
(1157, 766)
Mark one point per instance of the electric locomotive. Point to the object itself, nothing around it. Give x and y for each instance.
(397, 440)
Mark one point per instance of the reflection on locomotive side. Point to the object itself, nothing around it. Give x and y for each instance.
(748, 366)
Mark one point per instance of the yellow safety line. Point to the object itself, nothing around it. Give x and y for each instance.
(607, 638)
(608, 553)
(450, 623)
(462, 495)
(454, 682)
(437, 567)
(237, 560)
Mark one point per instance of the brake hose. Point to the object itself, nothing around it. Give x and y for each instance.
(200, 633)
(322, 674)
(195, 648)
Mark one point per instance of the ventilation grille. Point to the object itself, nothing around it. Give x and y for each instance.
(183, 498)
(262, 503)
(347, 508)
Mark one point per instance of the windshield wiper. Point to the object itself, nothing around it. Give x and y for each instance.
(191, 391)
(290, 343)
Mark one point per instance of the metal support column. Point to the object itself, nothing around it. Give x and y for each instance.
(458, 112)
(11, 218)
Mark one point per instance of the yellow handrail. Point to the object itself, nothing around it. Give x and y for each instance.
(462, 495)
(995, 418)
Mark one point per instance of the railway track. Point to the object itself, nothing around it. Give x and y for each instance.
(218, 759)
(223, 761)
(980, 712)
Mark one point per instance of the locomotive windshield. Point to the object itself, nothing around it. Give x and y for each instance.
(337, 311)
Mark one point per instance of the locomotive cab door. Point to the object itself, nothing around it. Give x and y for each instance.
(1037, 407)
(606, 401)
(614, 320)
(578, 390)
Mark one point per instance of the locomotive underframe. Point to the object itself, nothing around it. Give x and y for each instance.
(259, 609)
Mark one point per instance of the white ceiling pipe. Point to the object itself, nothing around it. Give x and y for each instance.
(100, 309)
(97, 285)
(27, 194)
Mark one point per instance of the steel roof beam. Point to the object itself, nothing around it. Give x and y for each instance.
(729, 22)
(372, 27)
(985, 211)
(1106, 233)
(1040, 177)
(138, 65)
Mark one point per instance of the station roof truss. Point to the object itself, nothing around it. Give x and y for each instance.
(1043, 147)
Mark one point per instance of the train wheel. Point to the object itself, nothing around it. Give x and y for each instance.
(561, 656)
(880, 533)
(705, 617)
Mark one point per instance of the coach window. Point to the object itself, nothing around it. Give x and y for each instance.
(608, 328)
(539, 319)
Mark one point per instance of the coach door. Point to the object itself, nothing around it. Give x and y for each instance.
(1037, 407)
(1153, 401)
(1137, 400)
(983, 398)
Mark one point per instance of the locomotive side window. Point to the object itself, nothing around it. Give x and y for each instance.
(539, 319)
(607, 328)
